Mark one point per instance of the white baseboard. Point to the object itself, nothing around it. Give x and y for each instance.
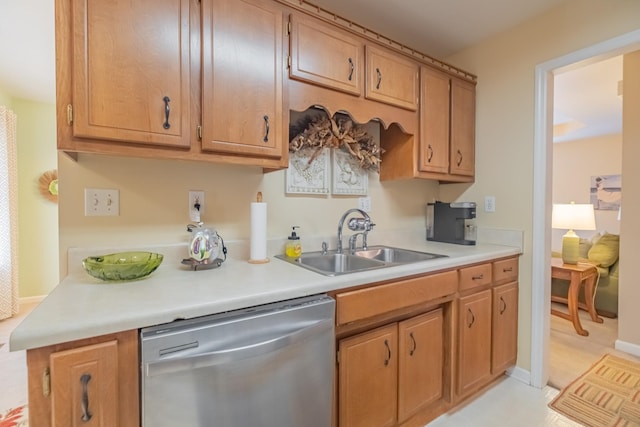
(627, 347)
(31, 300)
(520, 374)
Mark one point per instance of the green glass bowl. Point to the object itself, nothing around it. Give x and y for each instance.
(122, 265)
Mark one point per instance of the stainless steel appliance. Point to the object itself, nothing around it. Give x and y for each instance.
(452, 222)
(252, 367)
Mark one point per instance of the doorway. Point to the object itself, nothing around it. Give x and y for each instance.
(540, 333)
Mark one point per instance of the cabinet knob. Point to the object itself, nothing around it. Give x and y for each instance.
(86, 414)
(388, 359)
(473, 318)
(503, 305)
(167, 110)
(266, 134)
(414, 345)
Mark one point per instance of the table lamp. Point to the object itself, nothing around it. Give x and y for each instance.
(572, 216)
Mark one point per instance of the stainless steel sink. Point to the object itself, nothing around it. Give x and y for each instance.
(332, 263)
(389, 254)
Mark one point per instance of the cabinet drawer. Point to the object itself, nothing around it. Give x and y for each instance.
(369, 302)
(478, 275)
(505, 270)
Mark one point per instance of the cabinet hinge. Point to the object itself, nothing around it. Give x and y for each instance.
(289, 61)
(199, 132)
(288, 27)
(46, 382)
(338, 357)
(69, 114)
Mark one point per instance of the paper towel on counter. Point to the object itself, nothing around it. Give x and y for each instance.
(258, 232)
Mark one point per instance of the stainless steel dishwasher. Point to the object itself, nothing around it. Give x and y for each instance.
(267, 366)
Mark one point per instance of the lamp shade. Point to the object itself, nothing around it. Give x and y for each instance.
(569, 217)
(573, 216)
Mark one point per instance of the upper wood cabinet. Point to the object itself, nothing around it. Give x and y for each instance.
(243, 78)
(325, 55)
(391, 78)
(434, 121)
(154, 78)
(463, 128)
(129, 79)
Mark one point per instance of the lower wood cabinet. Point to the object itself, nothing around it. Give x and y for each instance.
(92, 382)
(388, 374)
(474, 341)
(504, 344)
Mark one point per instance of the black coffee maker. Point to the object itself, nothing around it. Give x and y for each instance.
(452, 222)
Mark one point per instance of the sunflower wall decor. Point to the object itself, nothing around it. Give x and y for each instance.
(48, 185)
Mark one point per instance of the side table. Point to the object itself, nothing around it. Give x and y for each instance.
(576, 274)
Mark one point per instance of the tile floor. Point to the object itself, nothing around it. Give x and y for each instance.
(509, 403)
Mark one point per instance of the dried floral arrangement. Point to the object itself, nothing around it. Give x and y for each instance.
(317, 133)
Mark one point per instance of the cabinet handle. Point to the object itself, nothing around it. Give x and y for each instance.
(266, 134)
(388, 359)
(480, 277)
(429, 153)
(503, 305)
(415, 345)
(507, 270)
(167, 110)
(459, 162)
(350, 69)
(379, 74)
(473, 318)
(86, 414)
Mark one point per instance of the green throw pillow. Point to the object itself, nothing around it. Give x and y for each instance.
(605, 251)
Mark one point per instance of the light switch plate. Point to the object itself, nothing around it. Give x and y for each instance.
(101, 202)
(489, 204)
(364, 203)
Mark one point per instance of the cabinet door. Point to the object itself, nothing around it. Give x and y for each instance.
(368, 377)
(463, 128)
(84, 386)
(505, 327)
(434, 121)
(391, 78)
(130, 73)
(421, 349)
(474, 345)
(324, 55)
(242, 77)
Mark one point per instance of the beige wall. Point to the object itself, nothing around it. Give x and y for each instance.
(506, 65)
(37, 216)
(629, 295)
(154, 195)
(574, 163)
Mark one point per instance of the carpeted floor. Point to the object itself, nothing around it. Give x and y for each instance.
(608, 394)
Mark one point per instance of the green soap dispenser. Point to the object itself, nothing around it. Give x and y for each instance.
(293, 249)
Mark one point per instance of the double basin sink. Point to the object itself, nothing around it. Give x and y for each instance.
(332, 263)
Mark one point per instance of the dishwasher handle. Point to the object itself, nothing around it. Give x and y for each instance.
(238, 353)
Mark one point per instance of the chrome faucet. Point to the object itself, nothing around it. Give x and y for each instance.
(363, 225)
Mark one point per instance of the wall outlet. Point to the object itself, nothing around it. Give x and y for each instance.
(101, 202)
(489, 204)
(196, 199)
(364, 203)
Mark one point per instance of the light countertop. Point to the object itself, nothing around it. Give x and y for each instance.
(82, 307)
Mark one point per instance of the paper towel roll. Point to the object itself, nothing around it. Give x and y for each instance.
(258, 233)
